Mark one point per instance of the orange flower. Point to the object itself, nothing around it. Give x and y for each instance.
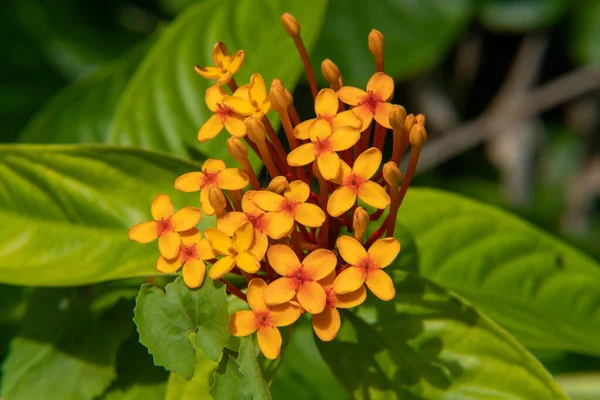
(299, 278)
(223, 116)
(354, 182)
(367, 266)
(193, 252)
(372, 103)
(287, 208)
(236, 251)
(225, 66)
(165, 226)
(263, 319)
(213, 173)
(251, 99)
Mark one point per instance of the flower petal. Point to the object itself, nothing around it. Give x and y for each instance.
(248, 205)
(243, 92)
(229, 222)
(161, 207)
(351, 299)
(329, 164)
(247, 262)
(328, 280)
(190, 182)
(237, 59)
(327, 324)
(309, 215)
(312, 297)
(258, 90)
(239, 105)
(326, 103)
(144, 232)
(219, 54)
(367, 163)
(243, 237)
(349, 280)
(168, 244)
(208, 72)
(207, 208)
(232, 179)
(302, 155)
(213, 165)
(351, 250)
(351, 95)
(283, 259)
(221, 267)
(186, 218)
(193, 273)
(269, 340)
(319, 263)
(344, 138)
(319, 130)
(279, 291)
(235, 125)
(204, 250)
(218, 240)
(279, 224)
(384, 251)
(267, 201)
(373, 194)
(168, 266)
(256, 288)
(365, 114)
(380, 284)
(297, 191)
(382, 114)
(301, 130)
(211, 128)
(341, 200)
(190, 237)
(284, 314)
(214, 96)
(260, 245)
(346, 118)
(242, 323)
(382, 86)
(343, 173)
(224, 78)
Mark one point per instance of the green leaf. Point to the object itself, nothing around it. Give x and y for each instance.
(166, 319)
(60, 337)
(198, 387)
(585, 32)
(581, 386)
(255, 385)
(163, 105)
(66, 211)
(228, 380)
(419, 35)
(520, 15)
(427, 343)
(540, 289)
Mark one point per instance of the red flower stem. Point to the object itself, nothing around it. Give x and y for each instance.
(277, 160)
(296, 241)
(252, 145)
(307, 67)
(410, 171)
(400, 146)
(232, 85)
(265, 155)
(364, 141)
(380, 132)
(282, 156)
(236, 199)
(376, 235)
(233, 290)
(293, 113)
(323, 193)
(376, 215)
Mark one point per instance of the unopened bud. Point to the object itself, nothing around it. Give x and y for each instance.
(331, 73)
(418, 136)
(217, 200)
(409, 122)
(255, 129)
(278, 97)
(392, 174)
(376, 42)
(237, 149)
(420, 118)
(360, 222)
(290, 24)
(278, 184)
(397, 117)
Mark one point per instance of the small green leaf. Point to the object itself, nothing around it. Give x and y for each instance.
(165, 321)
(198, 387)
(66, 211)
(419, 35)
(520, 15)
(255, 385)
(228, 380)
(585, 32)
(427, 343)
(60, 337)
(540, 289)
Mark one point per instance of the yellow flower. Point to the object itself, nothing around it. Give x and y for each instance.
(326, 109)
(287, 208)
(229, 222)
(355, 182)
(225, 66)
(372, 103)
(223, 116)
(263, 319)
(213, 173)
(367, 266)
(299, 278)
(327, 324)
(193, 252)
(323, 147)
(237, 251)
(165, 226)
(251, 99)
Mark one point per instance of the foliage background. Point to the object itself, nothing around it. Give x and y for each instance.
(510, 88)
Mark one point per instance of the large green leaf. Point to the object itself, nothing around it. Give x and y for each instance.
(228, 380)
(163, 105)
(428, 344)
(419, 35)
(585, 31)
(63, 351)
(256, 386)
(66, 210)
(540, 289)
(520, 15)
(198, 387)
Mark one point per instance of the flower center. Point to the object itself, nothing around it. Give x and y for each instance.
(298, 277)
(354, 181)
(223, 112)
(323, 145)
(210, 178)
(188, 252)
(257, 221)
(330, 297)
(232, 251)
(367, 264)
(164, 225)
(289, 206)
(262, 319)
(370, 100)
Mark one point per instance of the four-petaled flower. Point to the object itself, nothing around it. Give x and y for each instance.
(299, 279)
(250, 99)
(263, 319)
(355, 182)
(166, 226)
(215, 174)
(223, 116)
(225, 66)
(372, 103)
(236, 251)
(366, 266)
(192, 254)
(289, 207)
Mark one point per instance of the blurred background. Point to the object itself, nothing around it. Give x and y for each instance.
(510, 88)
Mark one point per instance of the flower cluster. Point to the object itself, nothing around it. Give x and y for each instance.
(301, 242)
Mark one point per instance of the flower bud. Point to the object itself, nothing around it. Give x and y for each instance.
(277, 96)
(409, 122)
(418, 136)
(290, 24)
(237, 149)
(397, 117)
(331, 73)
(360, 221)
(255, 129)
(392, 174)
(315, 169)
(376, 42)
(217, 200)
(420, 118)
(278, 184)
